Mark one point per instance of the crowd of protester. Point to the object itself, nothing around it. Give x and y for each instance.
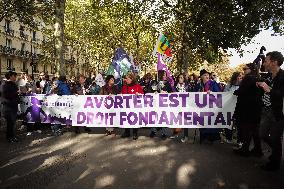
(258, 115)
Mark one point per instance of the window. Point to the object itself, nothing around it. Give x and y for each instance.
(9, 43)
(52, 69)
(35, 50)
(7, 25)
(24, 66)
(22, 34)
(9, 64)
(35, 68)
(45, 68)
(34, 35)
(23, 45)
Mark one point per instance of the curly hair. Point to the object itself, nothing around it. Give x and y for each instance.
(234, 78)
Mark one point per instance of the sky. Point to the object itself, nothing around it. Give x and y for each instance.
(264, 38)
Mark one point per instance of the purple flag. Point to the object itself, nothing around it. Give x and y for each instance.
(162, 66)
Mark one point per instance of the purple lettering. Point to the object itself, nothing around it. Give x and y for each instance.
(148, 100)
(98, 102)
(137, 101)
(90, 118)
(99, 118)
(111, 115)
(127, 98)
(220, 119)
(164, 118)
(109, 106)
(204, 100)
(187, 118)
(162, 100)
(197, 118)
(81, 117)
(152, 117)
(173, 99)
(89, 102)
(118, 102)
(122, 117)
(143, 118)
(217, 101)
(174, 119)
(209, 114)
(183, 99)
(135, 118)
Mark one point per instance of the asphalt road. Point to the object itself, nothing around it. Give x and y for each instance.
(96, 161)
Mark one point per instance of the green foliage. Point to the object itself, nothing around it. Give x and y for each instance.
(198, 30)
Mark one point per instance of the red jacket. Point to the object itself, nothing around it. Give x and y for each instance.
(132, 89)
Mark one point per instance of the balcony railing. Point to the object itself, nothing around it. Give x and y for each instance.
(9, 32)
(10, 69)
(70, 61)
(23, 35)
(7, 50)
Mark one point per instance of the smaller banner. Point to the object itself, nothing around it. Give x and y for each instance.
(163, 48)
(52, 109)
(120, 65)
(162, 66)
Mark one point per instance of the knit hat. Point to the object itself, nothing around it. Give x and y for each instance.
(203, 71)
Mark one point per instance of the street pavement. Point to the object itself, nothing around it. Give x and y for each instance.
(109, 162)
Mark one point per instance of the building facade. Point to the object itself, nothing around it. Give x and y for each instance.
(20, 51)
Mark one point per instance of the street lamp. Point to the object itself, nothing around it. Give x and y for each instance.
(32, 61)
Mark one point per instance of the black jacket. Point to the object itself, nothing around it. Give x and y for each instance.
(10, 98)
(249, 102)
(277, 95)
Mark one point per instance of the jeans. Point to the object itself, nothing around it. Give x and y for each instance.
(185, 132)
(11, 117)
(271, 132)
(127, 131)
(250, 131)
(163, 132)
(229, 134)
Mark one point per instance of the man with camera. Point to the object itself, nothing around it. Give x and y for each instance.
(272, 119)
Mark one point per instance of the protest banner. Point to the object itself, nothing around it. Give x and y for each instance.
(173, 110)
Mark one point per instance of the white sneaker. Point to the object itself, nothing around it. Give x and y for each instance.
(184, 139)
(173, 136)
(39, 131)
(23, 127)
(228, 141)
(29, 133)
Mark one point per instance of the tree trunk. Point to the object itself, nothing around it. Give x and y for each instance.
(59, 37)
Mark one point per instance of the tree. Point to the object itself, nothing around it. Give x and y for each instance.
(210, 26)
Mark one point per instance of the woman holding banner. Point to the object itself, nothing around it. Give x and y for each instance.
(131, 86)
(232, 86)
(207, 85)
(163, 86)
(181, 87)
(109, 89)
